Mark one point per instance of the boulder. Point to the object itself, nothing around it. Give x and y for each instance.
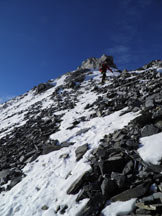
(108, 187)
(76, 185)
(136, 192)
(80, 151)
(149, 130)
(43, 87)
(94, 63)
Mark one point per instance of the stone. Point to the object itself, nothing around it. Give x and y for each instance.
(93, 207)
(14, 182)
(144, 119)
(157, 114)
(119, 178)
(149, 130)
(114, 164)
(128, 168)
(108, 187)
(82, 195)
(149, 103)
(158, 124)
(80, 151)
(49, 148)
(63, 209)
(45, 207)
(136, 192)
(43, 87)
(76, 185)
(99, 113)
(151, 207)
(117, 136)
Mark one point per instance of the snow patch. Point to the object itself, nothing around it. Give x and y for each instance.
(151, 149)
(121, 208)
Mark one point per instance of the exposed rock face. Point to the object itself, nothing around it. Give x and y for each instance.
(157, 63)
(94, 63)
(43, 87)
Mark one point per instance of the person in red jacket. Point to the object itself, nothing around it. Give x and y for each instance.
(104, 67)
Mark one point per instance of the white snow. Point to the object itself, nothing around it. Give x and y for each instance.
(151, 150)
(121, 208)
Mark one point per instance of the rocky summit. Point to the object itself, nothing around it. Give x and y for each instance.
(75, 147)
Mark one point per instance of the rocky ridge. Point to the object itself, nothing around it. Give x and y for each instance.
(117, 173)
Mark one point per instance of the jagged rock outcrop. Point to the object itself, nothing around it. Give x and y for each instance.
(94, 63)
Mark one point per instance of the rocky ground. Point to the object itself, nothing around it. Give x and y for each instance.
(118, 173)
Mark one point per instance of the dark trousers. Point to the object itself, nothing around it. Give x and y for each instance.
(103, 77)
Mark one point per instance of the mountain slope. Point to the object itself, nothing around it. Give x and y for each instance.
(57, 139)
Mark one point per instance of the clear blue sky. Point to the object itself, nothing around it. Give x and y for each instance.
(42, 39)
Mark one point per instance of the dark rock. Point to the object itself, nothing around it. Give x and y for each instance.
(119, 178)
(154, 168)
(128, 168)
(3, 176)
(136, 192)
(143, 212)
(80, 151)
(117, 136)
(149, 103)
(93, 207)
(45, 207)
(158, 124)
(49, 148)
(108, 187)
(157, 114)
(66, 144)
(143, 119)
(14, 182)
(114, 164)
(63, 209)
(95, 62)
(43, 87)
(82, 195)
(76, 185)
(149, 130)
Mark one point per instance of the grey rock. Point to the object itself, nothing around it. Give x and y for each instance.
(80, 151)
(149, 103)
(108, 187)
(93, 207)
(136, 192)
(76, 185)
(149, 130)
(91, 63)
(43, 87)
(14, 182)
(49, 148)
(119, 178)
(128, 168)
(63, 209)
(45, 207)
(158, 124)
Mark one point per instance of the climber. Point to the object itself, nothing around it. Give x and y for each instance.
(104, 67)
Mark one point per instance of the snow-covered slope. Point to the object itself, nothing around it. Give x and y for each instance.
(51, 134)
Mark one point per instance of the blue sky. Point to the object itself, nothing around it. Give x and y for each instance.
(43, 39)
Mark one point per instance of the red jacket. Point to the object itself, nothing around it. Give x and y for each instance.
(104, 68)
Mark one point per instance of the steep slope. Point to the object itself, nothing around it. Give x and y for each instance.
(69, 146)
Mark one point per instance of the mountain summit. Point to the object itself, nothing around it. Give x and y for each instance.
(74, 147)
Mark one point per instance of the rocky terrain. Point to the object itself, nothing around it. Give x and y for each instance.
(72, 146)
